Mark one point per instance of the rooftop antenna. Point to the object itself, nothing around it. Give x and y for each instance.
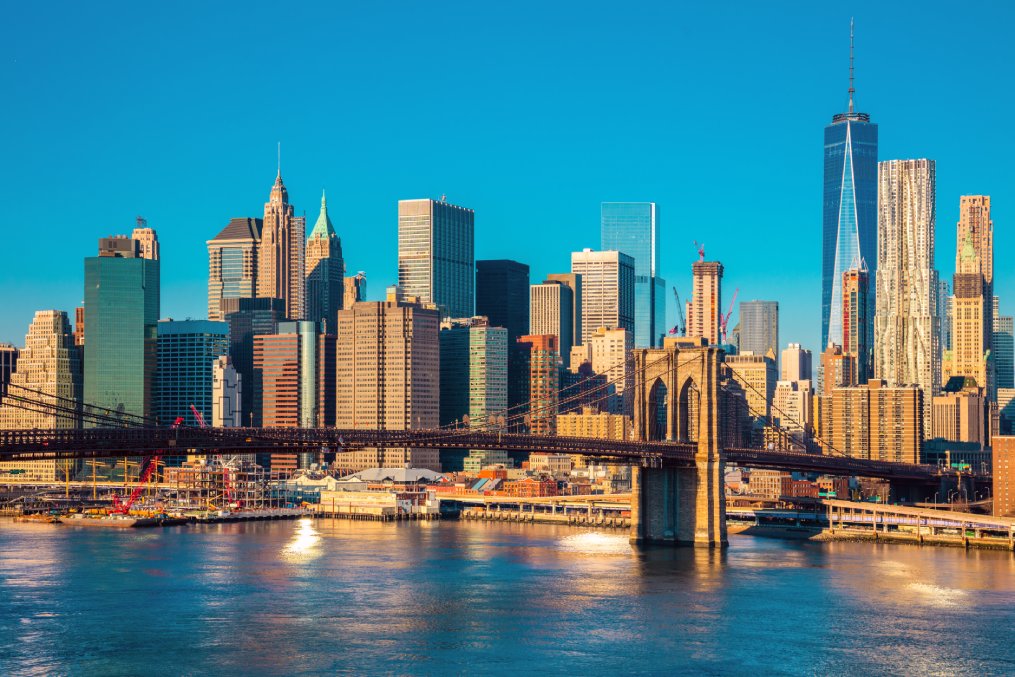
(852, 90)
(280, 143)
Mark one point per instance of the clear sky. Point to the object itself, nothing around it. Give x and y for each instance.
(530, 113)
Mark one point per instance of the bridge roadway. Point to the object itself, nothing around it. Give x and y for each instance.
(28, 445)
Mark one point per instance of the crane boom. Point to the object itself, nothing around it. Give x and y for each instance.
(153, 462)
(680, 328)
(724, 319)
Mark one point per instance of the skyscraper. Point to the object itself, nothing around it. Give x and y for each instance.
(544, 382)
(855, 321)
(325, 272)
(906, 323)
(147, 240)
(849, 209)
(248, 318)
(1003, 343)
(632, 228)
(502, 296)
(759, 327)
(355, 289)
(606, 350)
(8, 363)
(607, 286)
(232, 264)
(226, 394)
(944, 314)
(281, 258)
(551, 311)
(186, 354)
(473, 372)
(436, 255)
(705, 307)
(388, 377)
(972, 301)
(796, 363)
(574, 283)
(122, 305)
(50, 368)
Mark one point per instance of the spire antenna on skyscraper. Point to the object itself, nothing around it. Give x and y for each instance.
(280, 143)
(852, 90)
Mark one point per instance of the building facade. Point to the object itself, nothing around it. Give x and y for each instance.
(8, 363)
(48, 368)
(856, 321)
(502, 296)
(544, 382)
(226, 394)
(759, 327)
(797, 364)
(325, 272)
(633, 228)
(1004, 476)
(247, 318)
(1003, 348)
(876, 421)
(607, 351)
(906, 325)
(551, 311)
(436, 255)
(232, 264)
(757, 375)
(186, 352)
(281, 261)
(355, 289)
(704, 310)
(607, 290)
(849, 213)
(388, 377)
(122, 306)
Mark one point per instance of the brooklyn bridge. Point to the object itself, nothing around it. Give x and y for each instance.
(679, 447)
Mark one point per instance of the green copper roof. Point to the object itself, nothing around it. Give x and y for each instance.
(323, 227)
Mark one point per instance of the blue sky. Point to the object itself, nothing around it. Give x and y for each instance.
(529, 113)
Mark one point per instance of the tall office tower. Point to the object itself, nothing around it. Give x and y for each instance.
(473, 378)
(355, 289)
(972, 313)
(8, 362)
(705, 306)
(855, 321)
(759, 327)
(573, 282)
(877, 421)
(849, 210)
(388, 375)
(147, 240)
(1003, 342)
(796, 363)
(50, 363)
(436, 255)
(502, 296)
(248, 318)
(280, 256)
(325, 272)
(232, 264)
(551, 311)
(607, 350)
(757, 375)
(122, 304)
(288, 384)
(906, 322)
(544, 382)
(944, 314)
(79, 326)
(837, 369)
(226, 394)
(186, 354)
(633, 228)
(607, 285)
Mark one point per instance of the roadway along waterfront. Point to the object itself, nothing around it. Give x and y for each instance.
(324, 596)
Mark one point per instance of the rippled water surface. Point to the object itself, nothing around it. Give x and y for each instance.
(331, 596)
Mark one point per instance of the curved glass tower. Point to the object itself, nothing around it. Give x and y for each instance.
(849, 211)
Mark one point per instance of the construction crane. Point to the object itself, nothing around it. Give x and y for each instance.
(226, 482)
(121, 507)
(680, 328)
(724, 319)
(701, 250)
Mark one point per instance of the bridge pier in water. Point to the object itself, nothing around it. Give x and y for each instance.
(677, 398)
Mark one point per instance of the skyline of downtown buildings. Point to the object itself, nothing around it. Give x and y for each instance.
(620, 282)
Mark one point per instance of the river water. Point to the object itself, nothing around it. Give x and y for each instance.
(326, 597)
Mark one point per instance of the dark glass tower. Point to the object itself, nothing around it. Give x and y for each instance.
(502, 295)
(849, 211)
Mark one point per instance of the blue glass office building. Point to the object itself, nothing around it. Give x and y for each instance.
(849, 214)
(186, 352)
(633, 228)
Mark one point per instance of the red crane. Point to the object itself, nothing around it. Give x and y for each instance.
(724, 319)
(701, 250)
(680, 328)
(123, 508)
(227, 484)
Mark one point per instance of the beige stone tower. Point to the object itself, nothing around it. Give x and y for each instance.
(281, 257)
(705, 305)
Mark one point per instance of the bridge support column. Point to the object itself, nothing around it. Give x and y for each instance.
(679, 506)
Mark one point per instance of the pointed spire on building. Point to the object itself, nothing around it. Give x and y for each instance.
(852, 90)
(323, 227)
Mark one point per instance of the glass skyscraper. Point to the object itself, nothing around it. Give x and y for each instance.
(187, 351)
(849, 214)
(436, 255)
(122, 310)
(633, 228)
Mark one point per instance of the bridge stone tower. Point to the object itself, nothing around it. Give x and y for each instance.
(677, 398)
